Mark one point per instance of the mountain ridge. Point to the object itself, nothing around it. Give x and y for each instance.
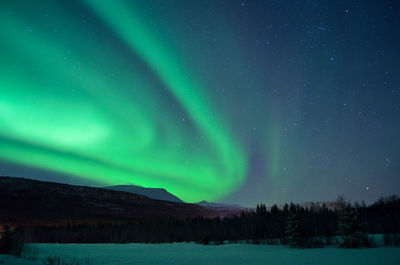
(27, 201)
(153, 193)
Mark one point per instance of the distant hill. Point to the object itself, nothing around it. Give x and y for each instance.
(31, 201)
(153, 193)
(221, 208)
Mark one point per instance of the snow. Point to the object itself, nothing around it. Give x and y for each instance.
(191, 253)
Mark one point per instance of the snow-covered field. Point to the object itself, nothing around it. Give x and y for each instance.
(190, 253)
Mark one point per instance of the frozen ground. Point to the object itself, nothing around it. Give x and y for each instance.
(190, 253)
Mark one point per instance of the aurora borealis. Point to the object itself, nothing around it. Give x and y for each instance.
(235, 101)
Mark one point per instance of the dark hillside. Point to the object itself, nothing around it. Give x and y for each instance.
(28, 201)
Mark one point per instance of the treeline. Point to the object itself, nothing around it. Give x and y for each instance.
(293, 224)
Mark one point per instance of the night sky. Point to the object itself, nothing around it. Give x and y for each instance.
(231, 101)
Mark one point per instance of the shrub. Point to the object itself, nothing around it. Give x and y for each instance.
(11, 243)
(309, 242)
(29, 252)
(369, 242)
(204, 241)
(391, 240)
(6, 241)
(331, 240)
(56, 260)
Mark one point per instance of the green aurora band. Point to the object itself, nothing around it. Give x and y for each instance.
(66, 109)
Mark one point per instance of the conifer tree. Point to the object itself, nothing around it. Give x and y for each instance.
(6, 241)
(292, 229)
(350, 228)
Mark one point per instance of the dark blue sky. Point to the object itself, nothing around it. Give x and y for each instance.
(304, 93)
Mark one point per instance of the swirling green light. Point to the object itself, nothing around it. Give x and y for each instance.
(67, 107)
